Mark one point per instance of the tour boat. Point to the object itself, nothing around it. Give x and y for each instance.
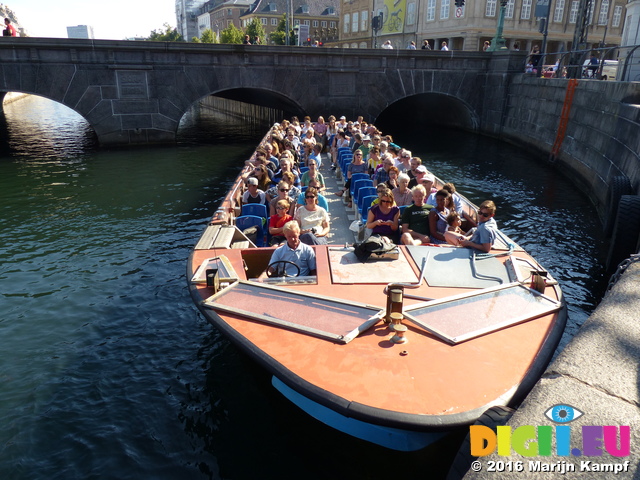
(398, 350)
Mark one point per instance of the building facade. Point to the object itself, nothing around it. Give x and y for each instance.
(468, 27)
(187, 12)
(320, 16)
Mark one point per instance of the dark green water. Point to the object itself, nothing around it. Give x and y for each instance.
(106, 368)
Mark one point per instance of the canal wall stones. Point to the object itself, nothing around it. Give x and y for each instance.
(602, 139)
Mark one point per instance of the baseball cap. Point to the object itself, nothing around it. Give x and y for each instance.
(252, 181)
(422, 169)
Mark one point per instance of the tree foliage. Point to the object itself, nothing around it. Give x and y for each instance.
(279, 36)
(169, 34)
(231, 34)
(208, 36)
(255, 29)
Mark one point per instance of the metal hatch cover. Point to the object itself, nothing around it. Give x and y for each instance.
(463, 317)
(325, 317)
(454, 267)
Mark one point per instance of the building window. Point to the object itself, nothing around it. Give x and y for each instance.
(274, 22)
(444, 9)
(355, 19)
(490, 11)
(346, 21)
(558, 13)
(573, 13)
(315, 23)
(332, 25)
(324, 24)
(364, 20)
(228, 12)
(431, 10)
(411, 14)
(508, 10)
(305, 22)
(263, 21)
(525, 13)
(617, 15)
(604, 13)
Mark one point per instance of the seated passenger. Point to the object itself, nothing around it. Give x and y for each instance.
(294, 251)
(454, 233)
(485, 234)
(316, 155)
(313, 219)
(392, 181)
(313, 174)
(382, 219)
(357, 165)
(382, 174)
(278, 220)
(283, 194)
(402, 195)
(286, 165)
(438, 217)
(263, 175)
(253, 193)
(415, 219)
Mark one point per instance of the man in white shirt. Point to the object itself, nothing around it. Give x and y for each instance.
(293, 251)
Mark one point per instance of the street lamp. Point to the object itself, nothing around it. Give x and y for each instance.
(498, 42)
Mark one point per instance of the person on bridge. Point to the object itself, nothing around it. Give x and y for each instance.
(444, 47)
(10, 30)
(387, 45)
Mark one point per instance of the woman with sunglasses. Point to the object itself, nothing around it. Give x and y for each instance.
(313, 220)
(312, 174)
(383, 217)
(283, 194)
(261, 172)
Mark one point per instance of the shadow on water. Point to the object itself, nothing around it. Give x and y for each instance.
(107, 369)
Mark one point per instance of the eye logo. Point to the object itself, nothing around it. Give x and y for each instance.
(563, 413)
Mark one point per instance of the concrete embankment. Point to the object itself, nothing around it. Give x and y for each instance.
(598, 374)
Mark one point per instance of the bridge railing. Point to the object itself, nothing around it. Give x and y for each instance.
(116, 53)
(619, 63)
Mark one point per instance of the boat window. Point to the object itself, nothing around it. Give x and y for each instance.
(325, 317)
(462, 317)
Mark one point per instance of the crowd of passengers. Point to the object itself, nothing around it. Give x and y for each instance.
(285, 176)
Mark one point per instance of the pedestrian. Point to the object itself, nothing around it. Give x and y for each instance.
(411, 46)
(247, 40)
(486, 46)
(10, 30)
(426, 45)
(444, 47)
(387, 45)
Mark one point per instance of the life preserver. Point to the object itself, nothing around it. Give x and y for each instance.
(618, 186)
(626, 231)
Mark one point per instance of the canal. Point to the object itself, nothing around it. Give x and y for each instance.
(108, 371)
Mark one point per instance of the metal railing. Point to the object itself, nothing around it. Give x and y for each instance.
(620, 63)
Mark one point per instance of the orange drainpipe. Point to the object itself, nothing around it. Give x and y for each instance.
(564, 118)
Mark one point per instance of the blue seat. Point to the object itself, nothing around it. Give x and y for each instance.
(303, 170)
(366, 204)
(257, 209)
(359, 180)
(344, 162)
(322, 202)
(246, 221)
(364, 192)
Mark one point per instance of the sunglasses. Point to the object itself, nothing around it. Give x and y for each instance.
(386, 201)
(485, 215)
(284, 189)
(405, 156)
(309, 196)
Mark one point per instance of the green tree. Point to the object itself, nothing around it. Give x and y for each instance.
(231, 34)
(279, 36)
(169, 34)
(255, 29)
(207, 37)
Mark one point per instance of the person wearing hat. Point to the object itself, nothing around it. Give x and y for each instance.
(366, 145)
(418, 173)
(253, 193)
(342, 124)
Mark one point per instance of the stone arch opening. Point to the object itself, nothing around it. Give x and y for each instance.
(31, 122)
(430, 109)
(255, 109)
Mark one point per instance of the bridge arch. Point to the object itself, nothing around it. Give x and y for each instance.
(432, 108)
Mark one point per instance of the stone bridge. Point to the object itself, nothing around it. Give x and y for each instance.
(137, 92)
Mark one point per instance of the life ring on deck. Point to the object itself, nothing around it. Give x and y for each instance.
(626, 231)
(493, 417)
(619, 185)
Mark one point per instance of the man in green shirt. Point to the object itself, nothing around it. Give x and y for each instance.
(415, 219)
